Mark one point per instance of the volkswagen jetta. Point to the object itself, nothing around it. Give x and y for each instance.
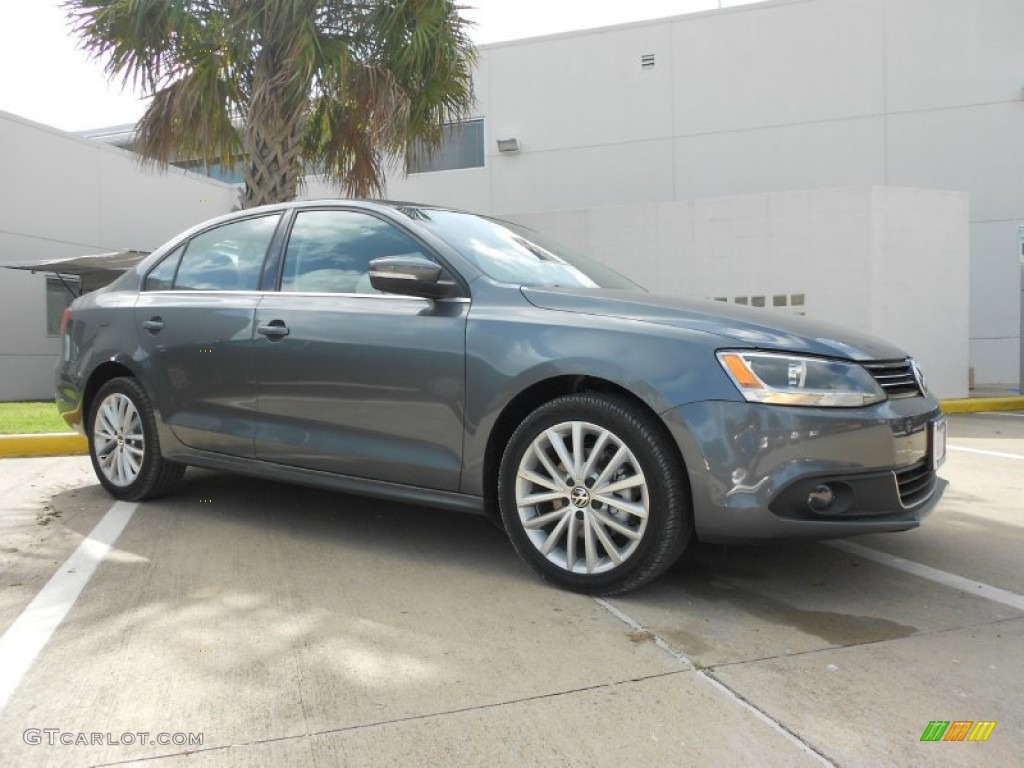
(433, 356)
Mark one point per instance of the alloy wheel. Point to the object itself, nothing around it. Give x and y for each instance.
(120, 444)
(582, 497)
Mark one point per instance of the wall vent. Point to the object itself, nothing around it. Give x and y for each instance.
(795, 302)
(647, 61)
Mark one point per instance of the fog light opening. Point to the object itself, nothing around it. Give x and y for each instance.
(821, 498)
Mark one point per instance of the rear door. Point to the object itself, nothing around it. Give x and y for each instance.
(351, 380)
(195, 325)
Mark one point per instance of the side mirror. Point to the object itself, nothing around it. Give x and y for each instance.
(410, 276)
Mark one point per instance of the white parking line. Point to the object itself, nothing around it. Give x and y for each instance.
(997, 454)
(718, 685)
(31, 631)
(995, 594)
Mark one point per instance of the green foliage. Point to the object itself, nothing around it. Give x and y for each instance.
(347, 86)
(30, 419)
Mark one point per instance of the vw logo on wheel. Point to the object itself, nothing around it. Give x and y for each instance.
(580, 497)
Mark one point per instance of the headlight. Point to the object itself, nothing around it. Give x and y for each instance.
(780, 379)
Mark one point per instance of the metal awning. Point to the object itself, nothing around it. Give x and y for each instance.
(93, 270)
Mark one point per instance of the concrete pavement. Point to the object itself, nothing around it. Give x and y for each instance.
(296, 627)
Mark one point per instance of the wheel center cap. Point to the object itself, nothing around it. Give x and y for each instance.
(580, 497)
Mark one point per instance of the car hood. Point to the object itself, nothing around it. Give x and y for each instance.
(742, 326)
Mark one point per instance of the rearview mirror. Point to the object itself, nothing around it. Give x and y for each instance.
(410, 276)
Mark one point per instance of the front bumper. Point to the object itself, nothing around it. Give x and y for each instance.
(751, 467)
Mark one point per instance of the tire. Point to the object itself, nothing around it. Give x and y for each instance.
(124, 445)
(556, 515)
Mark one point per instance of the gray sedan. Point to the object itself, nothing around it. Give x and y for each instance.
(437, 357)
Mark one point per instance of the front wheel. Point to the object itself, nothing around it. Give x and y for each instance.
(124, 446)
(593, 494)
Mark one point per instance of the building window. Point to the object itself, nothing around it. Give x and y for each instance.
(58, 298)
(233, 173)
(462, 146)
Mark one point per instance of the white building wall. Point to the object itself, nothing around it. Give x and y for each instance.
(66, 196)
(891, 262)
(784, 95)
(920, 273)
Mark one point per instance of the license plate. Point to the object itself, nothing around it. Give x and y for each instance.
(937, 442)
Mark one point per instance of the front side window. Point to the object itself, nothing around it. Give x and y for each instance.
(330, 251)
(228, 257)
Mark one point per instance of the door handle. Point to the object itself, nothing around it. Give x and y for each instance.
(154, 324)
(275, 329)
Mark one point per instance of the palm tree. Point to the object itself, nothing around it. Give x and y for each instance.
(344, 86)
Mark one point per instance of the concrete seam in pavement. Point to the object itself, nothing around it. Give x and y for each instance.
(718, 685)
(399, 720)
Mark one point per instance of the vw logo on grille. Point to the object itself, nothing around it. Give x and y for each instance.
(580, 497)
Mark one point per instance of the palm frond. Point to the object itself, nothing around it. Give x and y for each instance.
(190, 119)
(343, 85)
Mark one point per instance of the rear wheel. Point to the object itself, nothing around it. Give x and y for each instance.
(593, 495)
(124, 446)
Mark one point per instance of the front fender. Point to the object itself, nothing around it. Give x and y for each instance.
(509, 352)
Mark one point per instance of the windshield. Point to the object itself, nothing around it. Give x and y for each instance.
(515, 254)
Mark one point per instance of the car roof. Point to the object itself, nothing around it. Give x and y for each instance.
(347, 202)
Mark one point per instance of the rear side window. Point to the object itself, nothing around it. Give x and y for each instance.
(330, 251)
(227, 258)
(161, 277)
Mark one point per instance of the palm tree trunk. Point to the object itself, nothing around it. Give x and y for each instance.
(272, 136)
(273, 170)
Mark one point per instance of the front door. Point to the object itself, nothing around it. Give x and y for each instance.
(350, 380)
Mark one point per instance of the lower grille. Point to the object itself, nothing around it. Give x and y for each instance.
(916, 483)
(896, 377)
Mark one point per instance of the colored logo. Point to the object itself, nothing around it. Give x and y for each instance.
(958, 730)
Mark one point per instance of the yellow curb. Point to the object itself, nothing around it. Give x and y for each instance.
(978, 404)
(54, 444)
